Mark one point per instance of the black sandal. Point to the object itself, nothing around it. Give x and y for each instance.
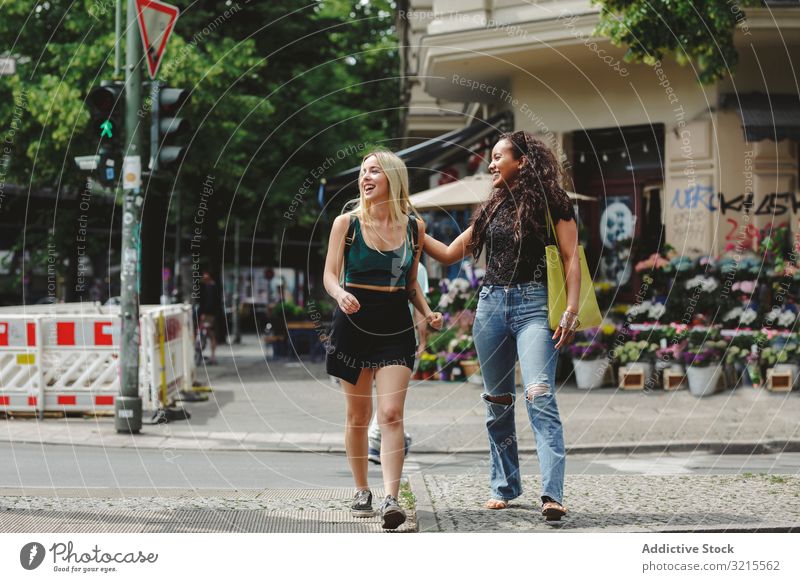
(553, 511)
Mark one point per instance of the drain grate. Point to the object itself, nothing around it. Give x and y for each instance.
(74, 511)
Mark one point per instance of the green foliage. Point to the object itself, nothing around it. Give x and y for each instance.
(427, 362)
(277, 89)
(634, 351)
(440, 341)
(691, 31)
(790, 353)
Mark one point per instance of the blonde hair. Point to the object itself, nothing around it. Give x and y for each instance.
(397, 176)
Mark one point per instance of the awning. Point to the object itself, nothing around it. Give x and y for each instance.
(767, 116)
(469, 191)
(433, 152)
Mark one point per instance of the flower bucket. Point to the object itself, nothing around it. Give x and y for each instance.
(470, 367)
(429, 374)
(703, 381)
(590, 374)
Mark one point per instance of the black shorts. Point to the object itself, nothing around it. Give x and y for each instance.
(380, 333)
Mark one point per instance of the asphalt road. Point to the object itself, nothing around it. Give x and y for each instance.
(69, 466)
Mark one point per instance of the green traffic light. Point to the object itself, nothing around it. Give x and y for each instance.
(106, 126)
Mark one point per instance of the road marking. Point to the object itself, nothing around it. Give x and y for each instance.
(657, 466)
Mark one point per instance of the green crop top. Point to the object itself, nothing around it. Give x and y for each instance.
(367, 266)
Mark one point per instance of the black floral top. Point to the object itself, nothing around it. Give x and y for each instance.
(508, 263)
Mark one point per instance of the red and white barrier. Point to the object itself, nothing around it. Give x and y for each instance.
(65, 357)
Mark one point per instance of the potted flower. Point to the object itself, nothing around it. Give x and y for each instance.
(669, 364)
(703, 367)
(463, 347)
(782, 359)
(781, 318)
(636, 356)
(427, 365)
(446, 362)
(739, 365)
(590, 363)
(704, 292)
(678, 269)
(645, 311)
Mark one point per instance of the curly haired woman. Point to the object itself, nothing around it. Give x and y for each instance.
(511, 319)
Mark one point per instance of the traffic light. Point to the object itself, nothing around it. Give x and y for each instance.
(106, 105)
(166, 128)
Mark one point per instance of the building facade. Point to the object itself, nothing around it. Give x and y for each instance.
(701, 168)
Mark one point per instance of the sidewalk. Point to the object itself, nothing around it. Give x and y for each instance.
(616, 503)
(264, 405)
(444, 503)
(82, 510)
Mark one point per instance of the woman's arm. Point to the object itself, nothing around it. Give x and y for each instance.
(333, 266)
(421, 323)
(415, 294)
(447, 255)
(567, 233)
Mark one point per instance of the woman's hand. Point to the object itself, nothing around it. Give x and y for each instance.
(435, 320)
(347, 302)
(565, 332)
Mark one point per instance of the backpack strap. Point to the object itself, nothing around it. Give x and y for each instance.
(412, 223)
(348, 240)
(351, 234)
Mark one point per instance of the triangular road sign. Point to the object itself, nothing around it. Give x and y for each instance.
(156, 21)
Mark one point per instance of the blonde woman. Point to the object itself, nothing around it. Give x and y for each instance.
(372, 335)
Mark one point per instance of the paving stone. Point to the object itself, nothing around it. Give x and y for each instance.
(622, 503)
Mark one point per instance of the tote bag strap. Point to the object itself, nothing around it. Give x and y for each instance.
(552, 236)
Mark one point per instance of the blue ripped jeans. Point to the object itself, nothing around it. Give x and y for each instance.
(511, 322)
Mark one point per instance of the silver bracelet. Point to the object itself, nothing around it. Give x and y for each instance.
(569, 321)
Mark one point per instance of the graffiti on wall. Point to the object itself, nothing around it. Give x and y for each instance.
(617, 227)
(690, 225)
(704, 197)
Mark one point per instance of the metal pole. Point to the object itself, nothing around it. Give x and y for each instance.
(118, 32)
(237, 335)
(128, 406)
(155, 88)
(176, 274)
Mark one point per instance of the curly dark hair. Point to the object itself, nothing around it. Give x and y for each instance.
(537, 187)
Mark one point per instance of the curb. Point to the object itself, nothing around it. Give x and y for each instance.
(632, 448)
(426, 516)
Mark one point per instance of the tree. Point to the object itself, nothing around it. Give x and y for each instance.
(278, 88)
(696, 31)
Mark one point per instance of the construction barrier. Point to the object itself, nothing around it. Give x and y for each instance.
(64, 357)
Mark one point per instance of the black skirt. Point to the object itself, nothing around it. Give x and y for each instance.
(380, 333)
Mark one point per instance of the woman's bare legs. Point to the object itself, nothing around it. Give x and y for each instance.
(392, 384)
(359, 412)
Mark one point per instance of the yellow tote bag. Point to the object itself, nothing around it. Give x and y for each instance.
(588, 310)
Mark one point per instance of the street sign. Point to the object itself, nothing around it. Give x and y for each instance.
(110, 163)
(156, 22)
(87, 162)
(8, 66)
(132, 173)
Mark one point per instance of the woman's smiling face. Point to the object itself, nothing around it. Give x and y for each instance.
(373, 181)
(504, 168)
